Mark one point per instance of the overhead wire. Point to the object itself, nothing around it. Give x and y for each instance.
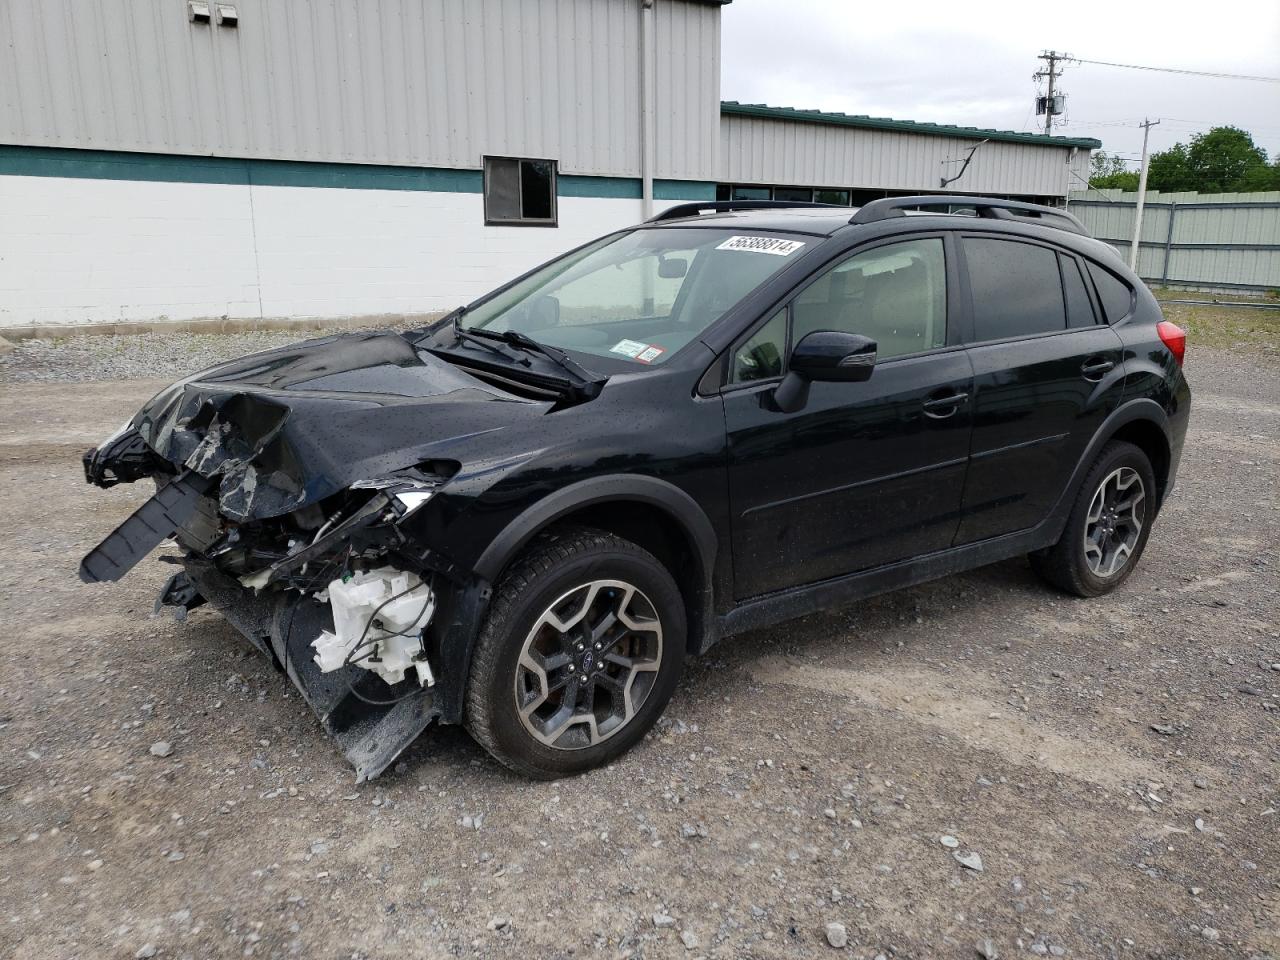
(1192, 73)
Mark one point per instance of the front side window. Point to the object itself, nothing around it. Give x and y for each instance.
(520, 192)
(638, 296)
(895, 294)
(1017, 289)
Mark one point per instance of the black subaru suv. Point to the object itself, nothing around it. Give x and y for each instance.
(524, 516)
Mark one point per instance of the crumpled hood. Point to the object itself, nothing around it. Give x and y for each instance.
(288, 427)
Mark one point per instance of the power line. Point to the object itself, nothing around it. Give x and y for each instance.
(1192, 73)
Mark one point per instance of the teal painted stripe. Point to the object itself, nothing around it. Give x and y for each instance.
(169, 168)
(623, 188)
(174, 168)
(629, 188)
(113, 165)
(357, 176)
(684, 190)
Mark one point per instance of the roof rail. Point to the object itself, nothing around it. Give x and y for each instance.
(988, 207)
(720, 206)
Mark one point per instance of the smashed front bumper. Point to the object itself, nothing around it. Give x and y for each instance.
(283, 626)
(271, 580)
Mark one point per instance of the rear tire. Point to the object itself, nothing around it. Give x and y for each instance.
(578, 656)
(1108, 526)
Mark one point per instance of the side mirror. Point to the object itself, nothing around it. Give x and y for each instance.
(672, 268)
(824, 355)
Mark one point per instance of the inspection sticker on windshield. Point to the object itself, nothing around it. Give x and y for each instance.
(644, 352)
(779, 248)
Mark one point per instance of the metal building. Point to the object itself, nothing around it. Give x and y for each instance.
(779, 153)
(258, 158)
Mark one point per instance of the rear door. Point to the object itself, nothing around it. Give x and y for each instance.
(865, 473)
(1047, 372)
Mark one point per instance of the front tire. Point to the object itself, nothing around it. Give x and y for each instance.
(1108, 526)
(578, 656)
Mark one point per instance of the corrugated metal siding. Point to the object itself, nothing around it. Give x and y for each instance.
(412, 82)
(687, 69)
(757, 150)
(1218, 240)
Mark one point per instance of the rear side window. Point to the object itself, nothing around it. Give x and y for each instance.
(1017, 289)
(1115, 294)
(1079, 309)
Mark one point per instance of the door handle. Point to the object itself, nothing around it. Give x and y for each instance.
(1094, 369)
(939, 407)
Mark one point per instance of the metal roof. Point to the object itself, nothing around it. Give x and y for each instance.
(764, 111)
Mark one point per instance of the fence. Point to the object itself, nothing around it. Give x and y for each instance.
(1210, 241)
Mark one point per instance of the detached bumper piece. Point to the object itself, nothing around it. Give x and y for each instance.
(152, 523)
(371, 722)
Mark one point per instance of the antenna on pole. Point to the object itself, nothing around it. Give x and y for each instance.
(1142, 196)
(1051, 105)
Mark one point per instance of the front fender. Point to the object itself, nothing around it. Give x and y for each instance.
(638, 488)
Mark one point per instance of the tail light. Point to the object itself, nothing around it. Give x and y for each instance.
(1174, 337)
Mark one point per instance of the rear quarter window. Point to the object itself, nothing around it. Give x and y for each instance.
(1079, 308)
(1115, 294)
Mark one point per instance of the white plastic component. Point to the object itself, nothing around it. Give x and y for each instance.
(390, 644)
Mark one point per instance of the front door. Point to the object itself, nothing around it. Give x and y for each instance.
(1046, 374)
(865, 473)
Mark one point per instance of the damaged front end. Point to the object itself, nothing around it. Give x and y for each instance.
(321, 572)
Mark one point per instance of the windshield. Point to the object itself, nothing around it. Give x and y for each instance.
(637, 296)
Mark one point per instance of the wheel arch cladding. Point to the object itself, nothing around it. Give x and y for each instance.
(652, 513)
(1150, 438)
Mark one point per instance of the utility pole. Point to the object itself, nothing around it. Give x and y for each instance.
(1051, 72)
(1142, 196)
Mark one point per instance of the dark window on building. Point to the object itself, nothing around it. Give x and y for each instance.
(1115, 294)
(519, 191)
(729, 191)
(1079, 309)
(1017, 290)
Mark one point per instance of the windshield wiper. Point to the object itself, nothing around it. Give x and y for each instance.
(559, 357)
(487, 342)
(589, 382)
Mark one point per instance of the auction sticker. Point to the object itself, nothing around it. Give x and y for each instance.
(644, 352)
(773, 245)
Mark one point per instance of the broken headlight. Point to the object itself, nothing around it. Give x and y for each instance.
(405, 493)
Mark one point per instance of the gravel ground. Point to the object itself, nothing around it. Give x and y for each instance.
(973, 767)
(87, 357)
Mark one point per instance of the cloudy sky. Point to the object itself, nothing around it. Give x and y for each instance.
(971, 64)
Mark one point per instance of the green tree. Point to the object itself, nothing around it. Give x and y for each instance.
(1170, 170)
(1109, 173)
(1223, 160)
(1260, 178)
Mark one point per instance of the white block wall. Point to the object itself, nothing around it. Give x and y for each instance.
(82, 251)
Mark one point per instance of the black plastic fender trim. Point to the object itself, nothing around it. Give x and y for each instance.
(638, 488)
(1129, 411)
(595, 490)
